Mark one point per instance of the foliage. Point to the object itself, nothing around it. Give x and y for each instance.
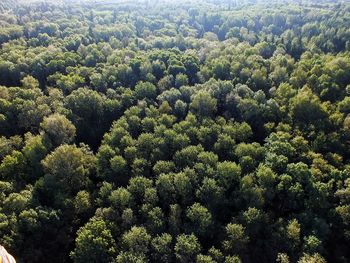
(210, 131)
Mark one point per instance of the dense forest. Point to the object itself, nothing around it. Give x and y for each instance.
(212, 131)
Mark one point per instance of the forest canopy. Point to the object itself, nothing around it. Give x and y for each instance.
(210, 131)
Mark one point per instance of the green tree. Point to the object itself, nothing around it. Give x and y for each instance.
(187, 248)
(58, 129)
(203, 104)
(145, 90)
(162, 248)
(199, 218)
(237, 240)
(94, 243)
(136, 240)
(70, 166)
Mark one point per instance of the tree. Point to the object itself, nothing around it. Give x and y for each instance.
(219, 131)
(306, 108)
(204, 259)
(119, 167)
(221, 69)
(236, 241)
(312, 259)
(70, 167)
(293, 231)
(199, 218)
(30, 82)
(186, 248)
(228, 173)
(210, 193)
(181, 80)
(161, 248)
(87, 114)
(12, 168)
(58, 129)
(127, 257)
(136, 241)
(155, 221)
(180, 109)
(145, 90)
(34, 151)
(232, 259)
(94, 243)
(203, 104)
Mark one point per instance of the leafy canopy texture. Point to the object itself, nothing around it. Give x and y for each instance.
(202, 131)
